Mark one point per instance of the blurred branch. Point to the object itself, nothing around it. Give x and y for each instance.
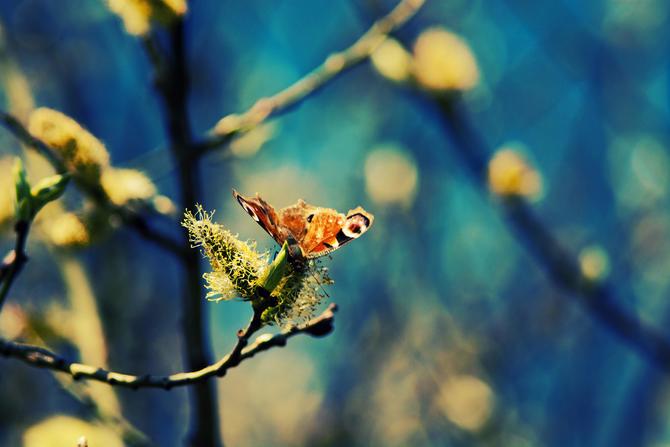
(127, 216)
(43, 358)
(14, 261)
(172, 82)
(598, 298)
(334, 65)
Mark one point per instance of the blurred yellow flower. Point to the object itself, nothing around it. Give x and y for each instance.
(62, 430)
(444, 61)
(392, 61)
(391, 176)
(510, 174)
(126, 185)
(594, 263)
(66, 231)
(13, 321)
(82, 152)
(138, 14)
(466, 401)
(164, 205)
(6, 192)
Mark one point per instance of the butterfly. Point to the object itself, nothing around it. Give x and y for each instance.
(309, 230)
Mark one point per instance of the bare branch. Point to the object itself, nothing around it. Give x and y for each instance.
(43, 358)
(334, 65)
(171, 77)
(15, 260)
(599, 299)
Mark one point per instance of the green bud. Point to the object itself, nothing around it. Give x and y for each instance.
(275, 271)
(48, 189)
(23, 209)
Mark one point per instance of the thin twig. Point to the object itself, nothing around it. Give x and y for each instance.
(334, 65)
(129, 217)
(43, 358)
(15, 260)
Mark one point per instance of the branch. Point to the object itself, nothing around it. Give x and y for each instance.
(172, 82)
(599, 299)
(43, 358)
(15, 259)
(334, 65)
(127, 216)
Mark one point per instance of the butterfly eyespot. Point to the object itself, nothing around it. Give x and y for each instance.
(355, 225)
(310, 217)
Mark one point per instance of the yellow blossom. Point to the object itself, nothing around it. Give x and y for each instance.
(138, 14)
(444, 61)
(67, 231)
(62, 430)
(594, 263)
(82, 152)
(510, 174)
(466, 401)
(391, 176)
(237, 268)
(6, 192)
(392, 61)
(126, 185)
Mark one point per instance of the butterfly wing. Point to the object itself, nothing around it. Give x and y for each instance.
(263, 213)
(327, 230)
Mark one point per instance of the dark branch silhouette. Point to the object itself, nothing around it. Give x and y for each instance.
(43, 358)
(598, 298)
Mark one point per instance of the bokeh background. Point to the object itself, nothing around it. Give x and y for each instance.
(448, 332)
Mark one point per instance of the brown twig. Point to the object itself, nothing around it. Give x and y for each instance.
(15, 260)
(334, 65)
(43, 358)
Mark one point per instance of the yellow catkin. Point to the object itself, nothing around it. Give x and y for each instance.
(67, 231)
(299, 293)
(392, 61)
(66, 430)
(594, 263)
(236, 265)
(444, 61)
(391, 176)
(126, 185)
(467, 401)
(510, 174)
(82, 152)
(138, 14)
(6, 192)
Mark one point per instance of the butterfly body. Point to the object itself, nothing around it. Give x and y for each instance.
(309, 230)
